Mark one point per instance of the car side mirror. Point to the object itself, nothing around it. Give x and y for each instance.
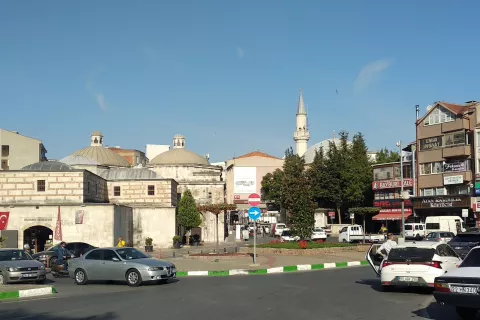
(115, 259)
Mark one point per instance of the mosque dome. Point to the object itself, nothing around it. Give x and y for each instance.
(179, 155)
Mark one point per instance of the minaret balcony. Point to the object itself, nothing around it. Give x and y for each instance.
(301, 135)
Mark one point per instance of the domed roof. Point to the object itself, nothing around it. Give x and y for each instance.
(48, 166)
(325, 144)
(128, 174)
(179, 156)
(79, 160)
(97, 133)
(102, 156)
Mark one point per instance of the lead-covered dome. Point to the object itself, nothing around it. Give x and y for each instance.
(99, 154)
(179, 155)
(52, 166)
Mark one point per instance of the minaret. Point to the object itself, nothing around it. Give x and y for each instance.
(96, 139)
(178, 142)
(301, 134)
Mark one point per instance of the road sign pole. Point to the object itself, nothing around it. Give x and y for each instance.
(255, 242)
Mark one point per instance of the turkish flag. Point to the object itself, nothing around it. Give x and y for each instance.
(4, 220)
(58, 227)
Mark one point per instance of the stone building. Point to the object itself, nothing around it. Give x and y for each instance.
(195, 173)
(93, 198)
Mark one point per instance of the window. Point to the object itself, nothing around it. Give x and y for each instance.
(41, 185)
(151, 190)
(431, 168)
(116, 191)
(94, 255)
(427, 192)
(109, 255)
(4, 165)
(432, 226)
(458, 189)
(439, 115)
(5, 151)
(472, 259)
(440, 192)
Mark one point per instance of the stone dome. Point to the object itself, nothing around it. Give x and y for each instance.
(325, 144)
(73, 160)
(179, 156)
(103, 156)
(48, 166)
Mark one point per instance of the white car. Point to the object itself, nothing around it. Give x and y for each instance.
(319, 234)
(287, 236)
(413, 263)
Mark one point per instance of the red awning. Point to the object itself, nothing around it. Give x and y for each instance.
(392, 214)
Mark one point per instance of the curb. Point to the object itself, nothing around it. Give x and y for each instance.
(285, 269)
(27, 293)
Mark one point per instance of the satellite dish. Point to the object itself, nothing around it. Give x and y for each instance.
(429, 107)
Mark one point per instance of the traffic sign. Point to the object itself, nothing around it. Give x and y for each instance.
(254, 213)
(254, 199)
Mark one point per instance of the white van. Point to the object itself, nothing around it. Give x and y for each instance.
(444, 223)
(415, 231)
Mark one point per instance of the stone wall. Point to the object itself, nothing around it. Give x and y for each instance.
(94, 188)
(136, 192)
(204, 193)
(60, 187)
(156, 223)
(182, 173)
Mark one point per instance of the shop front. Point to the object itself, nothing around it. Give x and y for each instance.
(390, 214)
(449, 205)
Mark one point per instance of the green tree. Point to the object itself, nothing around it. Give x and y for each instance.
(316, 174)
(386, 156)
(188, 215)
(297, 195)
(358, 174)
(272, 186)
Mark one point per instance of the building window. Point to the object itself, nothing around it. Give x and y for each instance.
(41, 185)
(459, 189)
(427, 192)
(151, 190)
(439, 115)
(5, 151)
(209, 195)
(4, 165)
(116, 191)
(440, 192)
(431, 168)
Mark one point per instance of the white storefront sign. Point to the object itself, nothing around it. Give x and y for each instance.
(244, 180)
(453, 180)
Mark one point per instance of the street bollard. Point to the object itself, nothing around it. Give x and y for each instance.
(174, 254)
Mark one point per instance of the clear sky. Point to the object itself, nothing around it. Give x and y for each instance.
(226, 74)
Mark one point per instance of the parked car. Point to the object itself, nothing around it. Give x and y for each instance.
(415, 231)
(354, 233)
(462, 243)
(413, 263)
(120, 264)
(278, 229)
(318, 234)
(440, 236)
(50, 255)
(460, 287)
(16, 266)
(287, 236)
(452, 224)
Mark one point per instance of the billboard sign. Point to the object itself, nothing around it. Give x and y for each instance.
(244, 180)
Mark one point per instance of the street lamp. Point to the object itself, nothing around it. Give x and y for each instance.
(399, 145)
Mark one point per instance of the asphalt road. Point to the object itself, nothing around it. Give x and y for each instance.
(344, 294)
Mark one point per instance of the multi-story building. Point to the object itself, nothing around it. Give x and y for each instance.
(134, 157)
(446, 160)
(386, 188)
(18, 151)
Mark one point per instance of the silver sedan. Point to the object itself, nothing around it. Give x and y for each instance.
(18, 266)
(120, 264)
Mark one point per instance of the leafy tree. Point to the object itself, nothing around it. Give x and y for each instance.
(386, 156)
(216, 209)
(364, 211)
(188, 215)
(272, 186)
(316, 174)
(297, 195)
(358, 174)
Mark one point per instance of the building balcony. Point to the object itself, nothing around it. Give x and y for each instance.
(456, 125)
(457, 151)
(301, 135)
(430, 156)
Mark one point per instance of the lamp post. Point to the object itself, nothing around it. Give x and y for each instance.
(399, 145)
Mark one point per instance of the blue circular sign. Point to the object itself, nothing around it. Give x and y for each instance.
(254, 213)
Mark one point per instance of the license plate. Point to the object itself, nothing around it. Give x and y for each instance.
(408, 279)
(465, 290)
(29, 275)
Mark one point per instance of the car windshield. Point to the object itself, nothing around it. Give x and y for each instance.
(14, 255)
(408, 227)
(472, 260)
(466, 238)
(446, 234)
(411, 253)
(131, 254)
(286, 234)
(54, 248)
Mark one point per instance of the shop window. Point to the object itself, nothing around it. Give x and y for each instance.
(41, 185)
(151, 190)
(116, 191)
(5, 151)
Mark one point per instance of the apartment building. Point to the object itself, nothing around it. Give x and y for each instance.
(386, 187)
(446, 160)
(18, 151)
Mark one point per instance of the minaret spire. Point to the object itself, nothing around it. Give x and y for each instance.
(301, 134)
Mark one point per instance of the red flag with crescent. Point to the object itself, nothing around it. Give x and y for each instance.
(58, 227)
(4, 220)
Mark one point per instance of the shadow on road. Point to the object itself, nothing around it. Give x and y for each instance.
(31, 314)
(436, 312)
(376, 285)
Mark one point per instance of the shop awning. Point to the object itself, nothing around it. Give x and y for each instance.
(392, 214)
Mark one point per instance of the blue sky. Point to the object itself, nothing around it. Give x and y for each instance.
(226, 74)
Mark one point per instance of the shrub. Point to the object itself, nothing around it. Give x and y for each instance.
(303, 244)
(177, 239)
(148, 241)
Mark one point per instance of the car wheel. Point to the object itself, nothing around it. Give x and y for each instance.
(344, 240)
(80, 277)
(134, 279)
(2, 279)
(467, 313)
